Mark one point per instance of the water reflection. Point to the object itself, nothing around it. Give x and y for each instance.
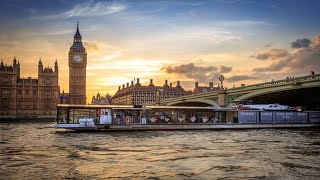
(37, 150)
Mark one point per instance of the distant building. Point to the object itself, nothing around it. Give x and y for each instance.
(101, 100)
(200, 89)
(28, 97)
(137, 94)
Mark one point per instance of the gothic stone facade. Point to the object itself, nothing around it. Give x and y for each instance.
(136, 94)
(101, 99)
(28, 97)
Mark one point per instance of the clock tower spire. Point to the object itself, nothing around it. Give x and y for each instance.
(77, 36)
(77, 70)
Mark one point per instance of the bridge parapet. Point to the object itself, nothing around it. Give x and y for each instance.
(302, 79)
(230, 95)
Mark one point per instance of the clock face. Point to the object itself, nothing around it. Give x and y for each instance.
(77, 58)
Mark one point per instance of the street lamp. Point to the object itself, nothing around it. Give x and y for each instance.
(221, 79)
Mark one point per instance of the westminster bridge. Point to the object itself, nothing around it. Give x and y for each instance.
(298, 91)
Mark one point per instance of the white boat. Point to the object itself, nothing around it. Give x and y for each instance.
(266, 107)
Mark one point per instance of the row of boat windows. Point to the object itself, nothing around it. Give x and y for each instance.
(152, 116)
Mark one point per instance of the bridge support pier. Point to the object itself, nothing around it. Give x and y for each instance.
(222, 98)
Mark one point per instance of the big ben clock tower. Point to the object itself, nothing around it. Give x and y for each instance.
(77, 70)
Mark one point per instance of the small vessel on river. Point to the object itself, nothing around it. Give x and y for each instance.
(123, 117)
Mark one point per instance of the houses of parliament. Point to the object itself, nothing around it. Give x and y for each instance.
(37, 97)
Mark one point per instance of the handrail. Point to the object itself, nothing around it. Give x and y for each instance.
(279, 82)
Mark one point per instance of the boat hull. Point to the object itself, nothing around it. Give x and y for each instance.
(148, 127)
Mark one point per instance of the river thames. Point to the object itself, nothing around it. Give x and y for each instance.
(38, 150)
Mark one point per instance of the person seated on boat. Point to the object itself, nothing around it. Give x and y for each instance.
(182, 118)
(205, 119)
(114, 118)
(153, 119)
(211, 118)
(173, 117)
(167, 119)
(188, 119)
(162, 119)
(122, 118)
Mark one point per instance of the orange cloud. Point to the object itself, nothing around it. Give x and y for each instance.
(271, 54)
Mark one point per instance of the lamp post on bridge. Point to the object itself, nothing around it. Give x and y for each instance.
(221, 79)
(222, 96)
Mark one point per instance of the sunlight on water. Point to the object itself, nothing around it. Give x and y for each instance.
(37, 150)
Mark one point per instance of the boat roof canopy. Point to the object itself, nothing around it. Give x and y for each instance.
(76, 106)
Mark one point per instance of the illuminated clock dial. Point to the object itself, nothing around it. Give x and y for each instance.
(77, 58)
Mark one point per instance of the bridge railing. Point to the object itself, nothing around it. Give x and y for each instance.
(283, 82)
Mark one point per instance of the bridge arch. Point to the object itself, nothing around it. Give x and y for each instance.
(293, 96)
(196, 102)
(268, 91)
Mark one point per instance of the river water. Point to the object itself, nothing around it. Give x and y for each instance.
(38, 151)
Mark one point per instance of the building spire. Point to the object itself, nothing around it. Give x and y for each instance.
(78, 26)
(77, 35)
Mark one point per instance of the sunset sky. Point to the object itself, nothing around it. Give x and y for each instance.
(249, 41)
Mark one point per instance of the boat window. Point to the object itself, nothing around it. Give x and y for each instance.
(154, 116)
(219, 117)
(62, 116)
(168, 117)
(181, 117)
(76, 114)
(118, 116)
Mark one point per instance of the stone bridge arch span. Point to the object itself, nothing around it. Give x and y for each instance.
(208, 102)
(275, 90)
